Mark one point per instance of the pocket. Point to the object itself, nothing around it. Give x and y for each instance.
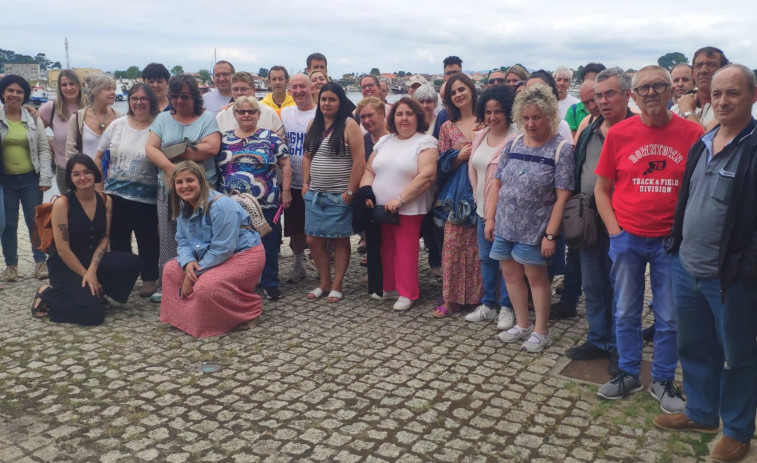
(617, 235)
(721, 191)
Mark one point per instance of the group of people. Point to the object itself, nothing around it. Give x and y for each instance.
(483, 181)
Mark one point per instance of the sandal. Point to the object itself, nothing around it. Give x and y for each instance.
(334, 296)
(316, 293)
(442, 311)
(39, 307)
(361, 247)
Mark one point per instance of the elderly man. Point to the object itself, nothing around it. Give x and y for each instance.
(296, 119)
(611, 92)
(496, 78)
(215, 101)
(278, 79)
(563, 76)
(241, 85)
(682, 81)
(715, 272)
(638, 179)
(697, 107)
(586, 107)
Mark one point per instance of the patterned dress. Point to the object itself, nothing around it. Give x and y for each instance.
(461, 272)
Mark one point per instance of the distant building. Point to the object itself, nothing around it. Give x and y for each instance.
(82, 73)
(29, 71)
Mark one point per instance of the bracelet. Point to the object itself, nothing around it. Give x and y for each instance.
(399, 198)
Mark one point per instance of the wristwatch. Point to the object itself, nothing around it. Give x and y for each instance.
(550, 237)
(349, 192)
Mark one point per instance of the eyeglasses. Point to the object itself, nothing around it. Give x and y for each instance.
(658, 87)
(451, 72)
(241, 89)
(248, 112)
(222, 74)
(498, 80)
(139, 99)
(610, 94)
(177, 96)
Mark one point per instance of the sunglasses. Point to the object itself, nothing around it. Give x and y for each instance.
(245, 112)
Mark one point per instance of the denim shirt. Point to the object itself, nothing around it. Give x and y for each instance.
(211, 238)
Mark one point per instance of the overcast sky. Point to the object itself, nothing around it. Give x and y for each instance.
(391, 35)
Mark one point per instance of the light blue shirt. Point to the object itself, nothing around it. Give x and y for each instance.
(211, 238)
(172, 132)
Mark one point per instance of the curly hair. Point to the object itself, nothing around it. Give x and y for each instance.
(541, 97)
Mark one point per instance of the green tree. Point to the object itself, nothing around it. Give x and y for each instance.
(400, 73)
(668, 60)
(56, 65)
(176, 70)
(375, 72)
(42, 60)
(204, 75)
(263, 72)
(133, 72)
(438, 83)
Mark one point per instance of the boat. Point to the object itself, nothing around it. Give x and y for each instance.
(39, 95)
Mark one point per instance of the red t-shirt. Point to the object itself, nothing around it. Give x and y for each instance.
(646, 164)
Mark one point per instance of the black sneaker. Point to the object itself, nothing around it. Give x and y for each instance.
(586, 351)
(560, 310)
(273, 293)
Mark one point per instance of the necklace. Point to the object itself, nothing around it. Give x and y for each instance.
(101, 124)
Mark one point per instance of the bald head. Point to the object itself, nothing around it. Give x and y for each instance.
(586, 94)
(299, 88)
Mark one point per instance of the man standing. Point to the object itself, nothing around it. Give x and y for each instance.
(577, 112)
(316, 62)
(214, 101)
(697, 107)
(639, 174)
(414, 82)
(296, 119)
(715, 272)
(563, 76)
(278, 79)
(611, 92)
(452, 65)
(241, 85)
(496, 78)
(682, 81)
(157, 76)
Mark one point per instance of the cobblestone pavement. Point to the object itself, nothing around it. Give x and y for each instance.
(312, 381)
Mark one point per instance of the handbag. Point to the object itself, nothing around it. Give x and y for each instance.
(580, 221)
(253, 209)
(381, 215)
(42, 234)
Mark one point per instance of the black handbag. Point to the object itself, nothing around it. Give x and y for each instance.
(381, 215)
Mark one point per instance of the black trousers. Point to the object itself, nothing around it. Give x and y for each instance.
(142, 219)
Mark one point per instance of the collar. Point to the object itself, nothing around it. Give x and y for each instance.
(708, 138)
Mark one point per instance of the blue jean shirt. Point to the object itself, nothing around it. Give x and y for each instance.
(211, 237)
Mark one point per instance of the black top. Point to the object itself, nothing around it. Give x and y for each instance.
(84, 234)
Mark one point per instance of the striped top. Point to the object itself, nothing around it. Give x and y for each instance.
(330, 171)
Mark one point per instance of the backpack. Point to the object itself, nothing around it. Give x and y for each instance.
(253, 209)
(42, 234)
(580, 221)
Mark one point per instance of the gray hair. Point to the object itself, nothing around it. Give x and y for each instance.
(652, 67)
(426, 93)
(541, 97)
(250, 100)
(563, 71)
(623, 79)
(751, 80)
(98, 84)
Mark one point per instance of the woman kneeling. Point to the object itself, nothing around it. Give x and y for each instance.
(208, 289)
(81, 271)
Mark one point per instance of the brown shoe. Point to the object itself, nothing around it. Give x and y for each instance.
(681, 422)
(148, 289)
(728, 450)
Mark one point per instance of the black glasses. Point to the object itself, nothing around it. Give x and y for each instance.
(498, 80)
(658, 87)
(248, 112)
(610, 94)
(139, 99)
(177, 96)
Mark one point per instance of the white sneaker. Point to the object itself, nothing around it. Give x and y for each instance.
(297, 274)
(537, 342)
(516, 333)
(482, 313)
(506, 318)
(402, 304)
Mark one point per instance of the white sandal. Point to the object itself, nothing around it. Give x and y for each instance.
(316, 293)
(335, 295)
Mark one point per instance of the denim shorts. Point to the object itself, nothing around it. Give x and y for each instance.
(525, 254)
(326, 215)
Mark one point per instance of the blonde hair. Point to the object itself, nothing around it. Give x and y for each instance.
(177, 205)
(98, 84)
(249, 100)
(373, 102)
(541, 97)
(60, 104)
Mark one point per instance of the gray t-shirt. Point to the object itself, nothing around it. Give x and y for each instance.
(593, 150)
(529, 177)
(710, 191)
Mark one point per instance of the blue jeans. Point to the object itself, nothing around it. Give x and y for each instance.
(272, 244)
(630, 255)
(598, 293)
(572, 281)
(23, 188)
(2, 210)
(712, 331)
(491, 274)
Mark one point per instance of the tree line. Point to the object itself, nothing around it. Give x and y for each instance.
(10, 56)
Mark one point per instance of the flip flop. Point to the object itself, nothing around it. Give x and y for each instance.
(316, 293)
(442, 311)
(333, 294)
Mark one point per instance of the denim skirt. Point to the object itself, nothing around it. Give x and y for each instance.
(326, 215)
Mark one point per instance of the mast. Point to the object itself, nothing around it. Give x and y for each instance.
(68, 66)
